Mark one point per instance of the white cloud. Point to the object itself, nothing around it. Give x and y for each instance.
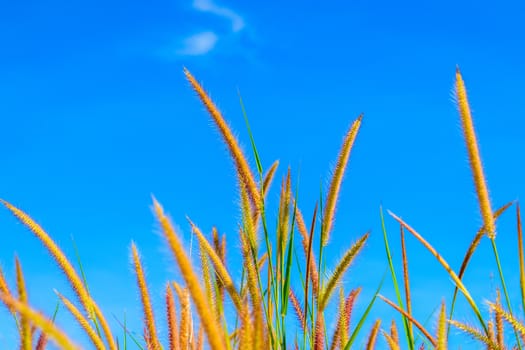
(202, 42)
(237, 21)
(199, 44)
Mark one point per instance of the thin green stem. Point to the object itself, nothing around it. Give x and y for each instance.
(406, 324)
(504, 285)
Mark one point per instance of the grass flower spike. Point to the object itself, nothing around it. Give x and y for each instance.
(474, 157)
(149, 320)
(337, 179)
(238, 157)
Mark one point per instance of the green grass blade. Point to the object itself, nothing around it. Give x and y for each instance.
(429, 318)
(504, 285)
(57, 307)
(289, 253)
(84, 280)
(252, 140)
(406, 324)
(125, 335)
(127, 331)
(365, 315)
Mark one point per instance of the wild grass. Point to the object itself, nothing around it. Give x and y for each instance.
(277, 280)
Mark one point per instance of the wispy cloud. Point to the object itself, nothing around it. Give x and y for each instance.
(237, 21)
(203, 42)
(199, 44)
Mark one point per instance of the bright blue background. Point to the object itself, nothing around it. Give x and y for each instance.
(96, 116)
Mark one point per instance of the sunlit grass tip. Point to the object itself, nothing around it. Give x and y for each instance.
(238, 157)
(474, 156)
(337, 179)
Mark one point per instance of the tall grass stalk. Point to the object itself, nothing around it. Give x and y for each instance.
(479, 178)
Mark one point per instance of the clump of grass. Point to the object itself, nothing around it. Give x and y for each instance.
(271, 285)
(486, 334)
(92, 310)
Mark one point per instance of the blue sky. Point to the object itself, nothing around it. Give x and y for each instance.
(97, 116)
